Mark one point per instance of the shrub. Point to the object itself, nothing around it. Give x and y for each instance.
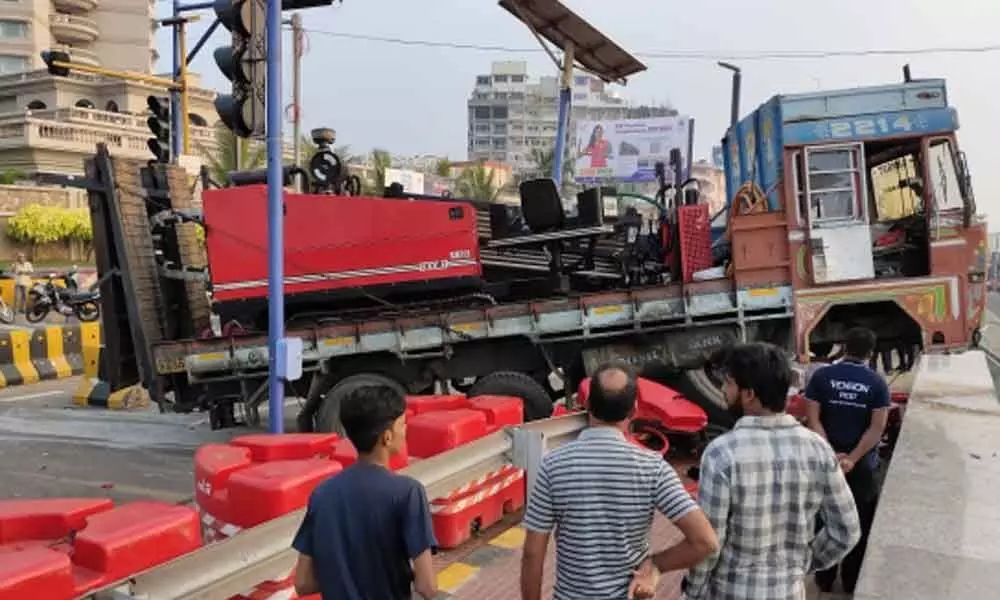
(37, 225)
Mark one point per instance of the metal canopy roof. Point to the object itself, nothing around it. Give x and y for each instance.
(592, 50)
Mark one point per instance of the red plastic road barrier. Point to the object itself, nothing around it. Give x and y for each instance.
(256, 478)
(657, 402)
(442, 423)
(62, 548)
(477, 506)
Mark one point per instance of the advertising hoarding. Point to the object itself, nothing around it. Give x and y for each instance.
(412, 181)
(628, 150)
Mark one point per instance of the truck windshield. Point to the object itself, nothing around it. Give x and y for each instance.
(895, 187)
(945, 183)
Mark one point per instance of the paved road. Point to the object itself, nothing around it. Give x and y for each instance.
(49, 448)
(991, 335)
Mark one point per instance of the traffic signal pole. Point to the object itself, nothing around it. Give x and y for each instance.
(275, 220)
(185, 116)
(175, 119)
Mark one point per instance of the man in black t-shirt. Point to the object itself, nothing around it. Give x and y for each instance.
(367, 533)
(848, 404)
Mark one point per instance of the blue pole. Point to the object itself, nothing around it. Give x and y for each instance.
(565, 97)
(275, 219)
(557, 161)
(201, 42)
(175, 96)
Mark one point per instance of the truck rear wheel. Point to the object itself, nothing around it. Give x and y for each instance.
(700, 387)
(328, 417)
(537, 401)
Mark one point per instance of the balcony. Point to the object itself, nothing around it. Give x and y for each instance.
(75, 6)
(75, 132)
(71, 29)
(79, 55)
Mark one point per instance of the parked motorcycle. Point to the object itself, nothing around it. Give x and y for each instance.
(6, 312)
(67, 300)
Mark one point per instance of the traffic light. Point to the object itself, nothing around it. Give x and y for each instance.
(243, 63)
(159, 124)
(50, 57)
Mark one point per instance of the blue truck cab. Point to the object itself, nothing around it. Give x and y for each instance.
(874, 195)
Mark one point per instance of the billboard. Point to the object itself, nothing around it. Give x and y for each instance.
(628, 150)
(412, 181)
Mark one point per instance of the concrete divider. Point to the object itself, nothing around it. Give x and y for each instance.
(48, 352)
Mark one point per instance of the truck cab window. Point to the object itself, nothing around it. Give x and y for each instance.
(945, 184)
(897, 188)
(834, 183)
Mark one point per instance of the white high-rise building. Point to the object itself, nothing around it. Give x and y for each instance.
(510, 114)
(114, 34)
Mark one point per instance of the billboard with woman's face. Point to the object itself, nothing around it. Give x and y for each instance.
(628, 150)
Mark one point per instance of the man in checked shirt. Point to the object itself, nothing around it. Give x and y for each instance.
(762, 486)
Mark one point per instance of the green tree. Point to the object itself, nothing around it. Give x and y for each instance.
(478, 183)
(223, 161)
(10, 176)
(307, 148)
(545, 160)
(443, 168)
(381, 161)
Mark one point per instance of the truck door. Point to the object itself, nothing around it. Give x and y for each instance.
(840, 244)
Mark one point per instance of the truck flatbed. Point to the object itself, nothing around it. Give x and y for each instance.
(592, 315)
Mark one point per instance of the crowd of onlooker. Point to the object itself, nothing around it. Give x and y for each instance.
(778, 502)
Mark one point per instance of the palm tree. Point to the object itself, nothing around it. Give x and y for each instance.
(478, 183)
(307, 148)
(543, 160)
(443, 168)
(223, 161)
(381, 160)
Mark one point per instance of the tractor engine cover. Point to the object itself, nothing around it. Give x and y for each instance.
(338, 243)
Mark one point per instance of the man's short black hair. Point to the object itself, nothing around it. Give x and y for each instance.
(764, 369)
(859, 342)
(616, 404)
(368, 411)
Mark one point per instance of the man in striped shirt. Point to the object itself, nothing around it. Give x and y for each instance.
(763, 485)
(598, 493)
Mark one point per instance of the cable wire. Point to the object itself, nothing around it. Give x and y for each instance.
(677, 54)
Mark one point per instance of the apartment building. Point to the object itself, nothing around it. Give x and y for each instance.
(51, 124)
(510, 114)
(115, 34)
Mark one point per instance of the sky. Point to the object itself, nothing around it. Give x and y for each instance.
(411, 99)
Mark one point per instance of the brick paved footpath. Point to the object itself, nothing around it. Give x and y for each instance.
(489, 568)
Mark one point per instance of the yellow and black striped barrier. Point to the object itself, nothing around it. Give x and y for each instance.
(48, 352)
(60, 351)
(96, 393)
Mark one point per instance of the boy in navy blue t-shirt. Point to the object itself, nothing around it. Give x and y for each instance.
(849, 406)
(367, 532)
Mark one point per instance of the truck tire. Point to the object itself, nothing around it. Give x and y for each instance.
(328, 416)
(698, 387)
(538, 403)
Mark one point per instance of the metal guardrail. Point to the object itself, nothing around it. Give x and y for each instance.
(263, 553)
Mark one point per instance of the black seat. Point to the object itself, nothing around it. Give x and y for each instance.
(541, 205)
